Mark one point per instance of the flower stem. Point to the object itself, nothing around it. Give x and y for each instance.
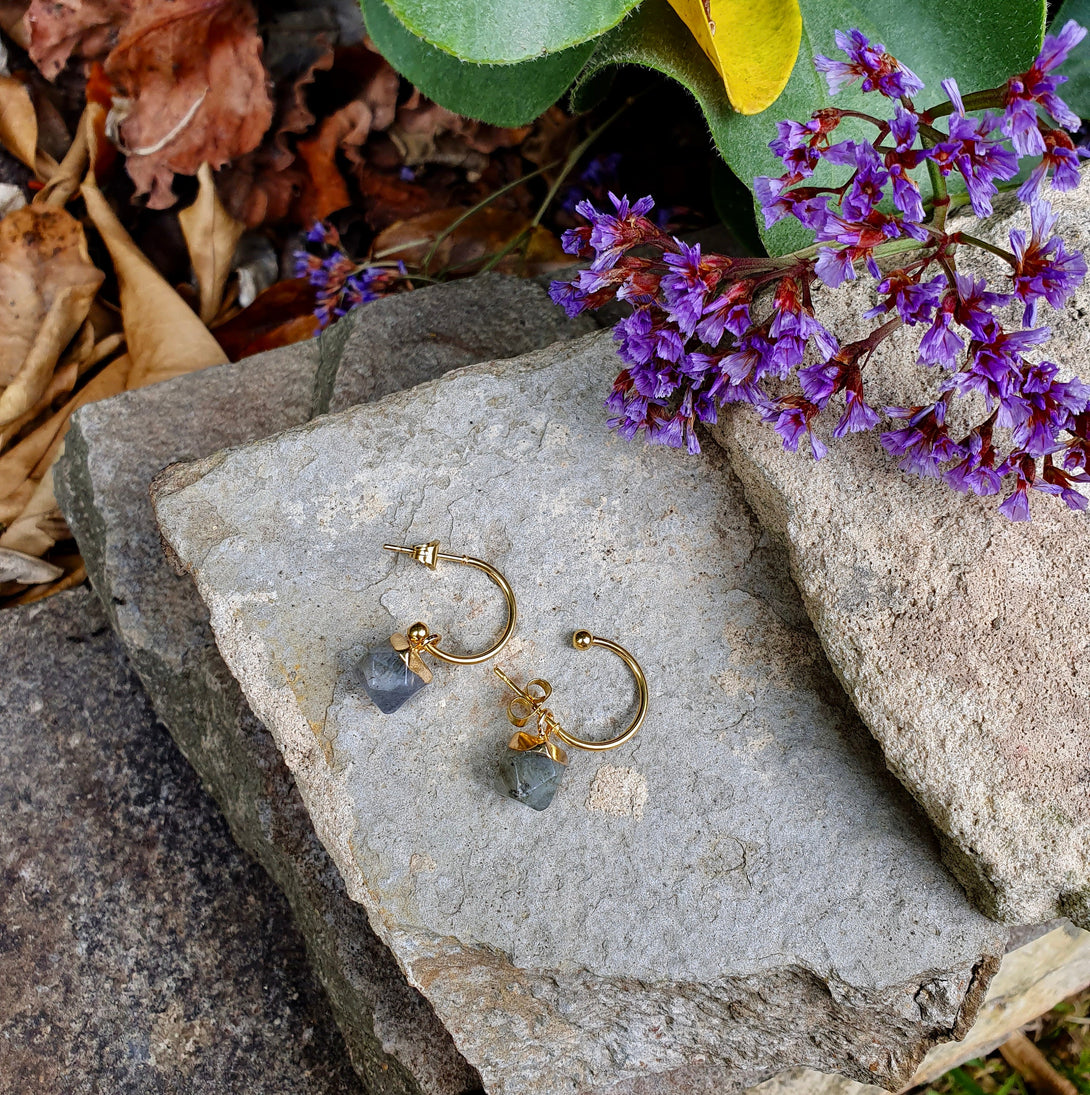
(1007, 256)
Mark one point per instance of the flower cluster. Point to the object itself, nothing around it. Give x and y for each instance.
(706, 330)
(341, 283)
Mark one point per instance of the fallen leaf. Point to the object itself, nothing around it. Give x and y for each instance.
(76, 576)
(63, 183)
(388, 199)
(429, 133)
(211, 237)
(47, 285)
(752, 43)
(41, 523)
(26, 569)
(280, 316)
(34, 453)
(467, 245)
(18, 122)
(59, 28)
(192, 90)
(164, 336)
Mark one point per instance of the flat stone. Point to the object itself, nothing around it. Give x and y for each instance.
(112, 451)
(959, 635)
(140, 950)
(740, 889)
(399, 341)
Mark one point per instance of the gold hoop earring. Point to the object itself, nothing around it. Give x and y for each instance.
(394, 673)
(533, 767)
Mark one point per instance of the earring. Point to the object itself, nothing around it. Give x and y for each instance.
(393, 673)
(533, 766)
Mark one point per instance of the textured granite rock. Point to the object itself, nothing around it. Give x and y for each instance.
(961, 637)
(403, 340)
(741, 889)
(112, 451)
(140, 950)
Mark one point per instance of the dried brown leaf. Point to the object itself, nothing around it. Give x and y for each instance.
(27, 570)
(281, 315)
(211, 236)
(18, 122)
(470, 244)
(72, 578)
(63, 183)
(47, 284)
(59, 28)
(195, 87)
(36, 452)
(41, 523)
(164, 336)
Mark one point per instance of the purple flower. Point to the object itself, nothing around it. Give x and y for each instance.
(611, 234)
(1062, 158)
(1045, 270)
(685, 286)
(570, 298)
(974, 304)
(924, 444)
(941, 345)
(727, 312)
(915, 301)
(857, 414)
(979, 159)
(865, 192)
(879, 70)
(904, 127)
(791, 418)
(906, 194)
(808, 207)
(834, 266)
(976, 471)
(1035, 86)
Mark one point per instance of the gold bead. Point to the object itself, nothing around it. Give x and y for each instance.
(582, 640)
(418, 633)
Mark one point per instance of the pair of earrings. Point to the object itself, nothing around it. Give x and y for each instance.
(534, 763)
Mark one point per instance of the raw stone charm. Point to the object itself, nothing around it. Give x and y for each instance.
(387, 679)
(530, 776)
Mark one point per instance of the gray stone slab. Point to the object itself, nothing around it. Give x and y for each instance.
(960, 636)
(140, 950)
(742, 889)
(403, 340)
(112, 451)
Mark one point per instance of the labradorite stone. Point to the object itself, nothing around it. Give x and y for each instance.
(530, 777)
(388, 680)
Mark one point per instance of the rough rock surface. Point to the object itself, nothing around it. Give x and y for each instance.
(1032, 978)
(140, 950)
(112, 451)
(418, 336)
(741, 889)
(961, 637)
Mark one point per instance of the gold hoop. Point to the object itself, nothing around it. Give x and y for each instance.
(528, 702)
(420, 639)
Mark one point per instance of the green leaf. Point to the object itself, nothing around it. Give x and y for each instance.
(1076, 92)
(504, 32)
(506, 95)
(979, 42)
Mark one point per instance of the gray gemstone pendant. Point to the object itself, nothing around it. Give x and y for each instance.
(530, 776)
(388, 679)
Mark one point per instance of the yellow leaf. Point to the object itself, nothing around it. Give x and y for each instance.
(211, 236)
(752, 43)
